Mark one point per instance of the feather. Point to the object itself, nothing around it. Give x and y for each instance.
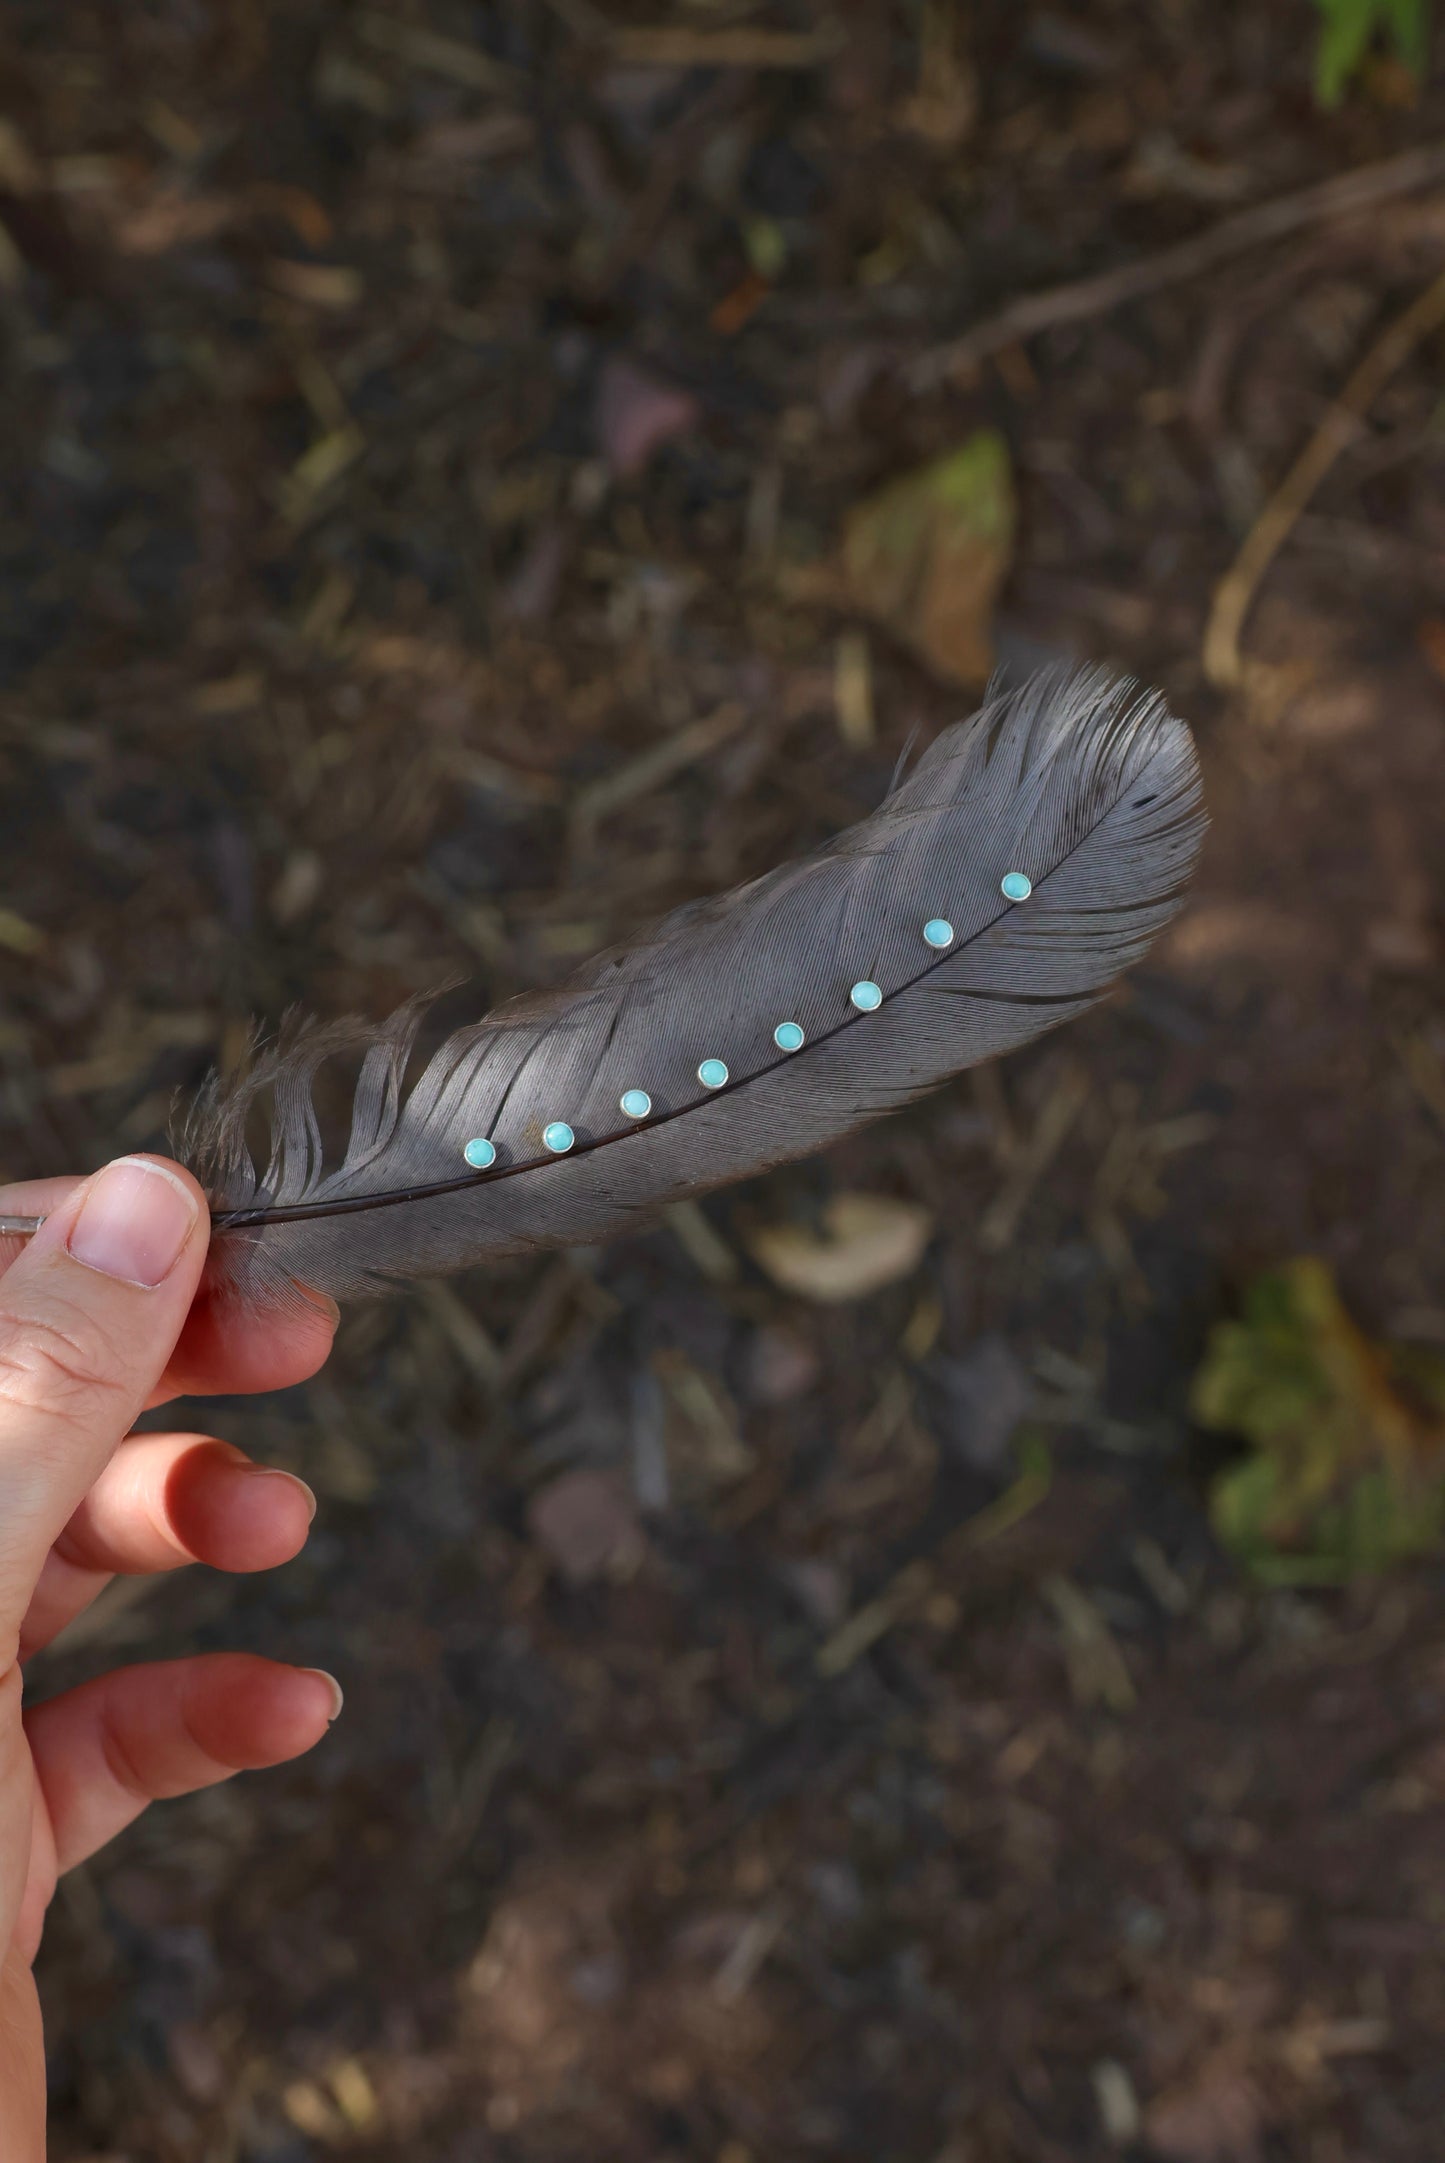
(1083, 783)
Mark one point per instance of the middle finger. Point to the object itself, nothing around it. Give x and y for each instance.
(162, 1501)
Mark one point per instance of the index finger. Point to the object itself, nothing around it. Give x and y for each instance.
(224, 1349)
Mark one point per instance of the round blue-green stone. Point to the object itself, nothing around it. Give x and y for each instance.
(938, 931)
(788, 1036)
(480, 1154)
(866, 996)
(712, 1073)
(1016, 886)
(558, 1137)
(636, 1103)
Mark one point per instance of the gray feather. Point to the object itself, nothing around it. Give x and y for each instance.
(1084, 782)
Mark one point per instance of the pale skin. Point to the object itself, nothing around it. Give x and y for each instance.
(99, 1320)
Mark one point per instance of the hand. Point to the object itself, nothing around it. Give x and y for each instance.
(97, 1323)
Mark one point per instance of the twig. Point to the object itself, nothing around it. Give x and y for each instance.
(1234, 595)
(1339, 197)
(648, 771)
(1360, 544)
(424, 49)
(476, 1350)
(1425, 1072)
(911, 1587)
(669, 45)
(1061, 1108)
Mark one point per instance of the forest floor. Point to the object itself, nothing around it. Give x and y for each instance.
(429, 430)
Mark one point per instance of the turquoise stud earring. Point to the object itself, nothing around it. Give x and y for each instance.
(712, 1073)
(1016, 886)
(866, 996)
(938, 931)
(558, 1137)
(634, 1103)
(480, 1154)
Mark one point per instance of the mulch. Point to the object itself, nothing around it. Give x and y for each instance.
(422, 424)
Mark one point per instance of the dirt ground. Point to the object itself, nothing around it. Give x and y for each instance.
(416, 417)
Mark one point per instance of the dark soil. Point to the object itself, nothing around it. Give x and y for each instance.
(338, 608)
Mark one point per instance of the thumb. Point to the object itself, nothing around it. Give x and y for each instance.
(89, 1315)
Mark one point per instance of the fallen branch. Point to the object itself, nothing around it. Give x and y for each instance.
(1234, 595)
(1340, 197)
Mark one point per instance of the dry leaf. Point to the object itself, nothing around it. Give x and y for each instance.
(586, 1524)
(18, 934)
(1430, 638)
(927, 555)
(313, 2113)
(20, 172)
(12, 263)
(983, 1396)
(779, 1366)
(861, 1243)
(704, 1448)
(637, 413)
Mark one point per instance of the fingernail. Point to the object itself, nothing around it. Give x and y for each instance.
(133, 1222)
(274, 1472)
(337, 1699)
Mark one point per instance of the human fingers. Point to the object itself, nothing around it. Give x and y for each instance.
(36, 1197)
(89, 1316)
(223, 1349)
(226, 1350)
(22, 2060)
(105, 1750)
(162, 1501)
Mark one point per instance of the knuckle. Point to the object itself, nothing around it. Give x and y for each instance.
(56, 1363)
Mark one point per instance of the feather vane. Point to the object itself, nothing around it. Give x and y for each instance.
(1083, 782)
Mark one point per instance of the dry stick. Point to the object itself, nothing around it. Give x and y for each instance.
(1233, 597)
(668, 45)
(657, 764)
(1339, 197)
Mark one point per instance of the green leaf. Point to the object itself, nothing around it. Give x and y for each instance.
(1349, 28)
(927, 554)
(1410, 22)
(1345, 1475)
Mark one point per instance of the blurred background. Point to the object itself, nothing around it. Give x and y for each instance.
(939, 1656)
